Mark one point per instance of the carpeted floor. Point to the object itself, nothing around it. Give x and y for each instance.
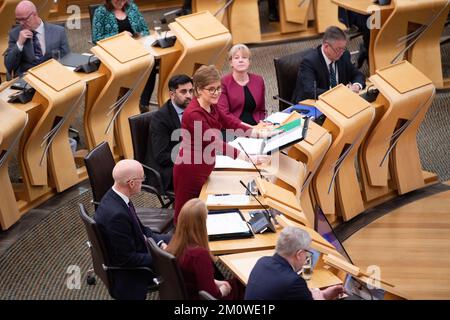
(36, 266)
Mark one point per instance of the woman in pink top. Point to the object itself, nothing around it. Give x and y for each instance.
(242, 92)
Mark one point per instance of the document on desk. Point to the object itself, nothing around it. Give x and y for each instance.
(229, 222)
(224, 162)
(277, 117)
(228, 199)
(251, 145)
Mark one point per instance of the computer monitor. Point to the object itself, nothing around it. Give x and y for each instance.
(324, 228)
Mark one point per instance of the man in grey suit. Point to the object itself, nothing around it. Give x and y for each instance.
(32, 41)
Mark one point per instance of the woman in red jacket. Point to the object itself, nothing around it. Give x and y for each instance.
(190, 246)
(201, 138)
(243, 93)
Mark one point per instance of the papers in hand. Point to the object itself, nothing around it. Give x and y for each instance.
(224, 162)
(229, 199)
(277, 117)
(251, 145)
(230, 222)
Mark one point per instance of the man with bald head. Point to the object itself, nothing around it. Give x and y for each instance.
(32, 41)
(123, 232)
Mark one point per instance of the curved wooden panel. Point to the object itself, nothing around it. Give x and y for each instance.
(12, 124)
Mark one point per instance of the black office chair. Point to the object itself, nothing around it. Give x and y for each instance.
(99, 165)
(100, 256)
(170, 279)
(140, 135)
(286, 69)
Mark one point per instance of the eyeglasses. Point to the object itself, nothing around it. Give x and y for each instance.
(213, 90)
(139, 179)
(22, 20)
(337, 50)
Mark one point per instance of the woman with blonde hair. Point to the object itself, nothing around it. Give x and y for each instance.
(190, 246)
(243, 93)
(201, 138)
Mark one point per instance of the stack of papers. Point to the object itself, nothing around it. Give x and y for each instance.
(230, 222)
(251, 145)
(224, 162)
(277, 117)
(228, 200)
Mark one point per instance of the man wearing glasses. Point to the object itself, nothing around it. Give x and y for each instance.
(124, 234)
(164, 122)
(32, 41)
(326, 66)
(276, 277)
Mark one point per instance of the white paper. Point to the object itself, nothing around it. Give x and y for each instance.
(277, 117)
(224, 162)
(230, 222)
(251, 145)
(232, 199)
(283, 139)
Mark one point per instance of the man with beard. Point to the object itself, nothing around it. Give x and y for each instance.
(165, 121)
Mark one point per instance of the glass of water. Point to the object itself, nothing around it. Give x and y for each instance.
(158, 28)
(307, 269)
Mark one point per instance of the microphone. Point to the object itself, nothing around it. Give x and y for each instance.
(315, 90)
(259, 171)
(268, 213)
(277, 97)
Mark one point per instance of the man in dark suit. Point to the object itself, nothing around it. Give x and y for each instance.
(162, 148)
(123, 232)
(276, 278)
(32, 41)
(326, 66)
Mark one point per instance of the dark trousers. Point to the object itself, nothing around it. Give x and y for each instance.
(149, 86)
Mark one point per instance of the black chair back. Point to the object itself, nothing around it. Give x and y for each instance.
(286, 70)
(97, 247)
(140, 134)
(99, 166)
(171, 285)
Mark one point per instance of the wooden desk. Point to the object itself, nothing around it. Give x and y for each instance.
(228, 182)
(241, 264)
(398, 20)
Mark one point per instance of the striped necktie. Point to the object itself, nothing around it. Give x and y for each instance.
(37, 47)
(333, 82)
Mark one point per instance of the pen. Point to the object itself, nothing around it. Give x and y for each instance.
(222, 194)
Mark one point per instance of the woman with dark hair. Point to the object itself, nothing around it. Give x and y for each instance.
(117, 16)
(201, 138)
(190, 246)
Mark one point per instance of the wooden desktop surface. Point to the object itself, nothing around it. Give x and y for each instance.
(362, 6)
(241, 264)
(258, 242)
(220, 182)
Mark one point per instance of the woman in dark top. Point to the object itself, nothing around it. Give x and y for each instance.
(190, 246)
(242, 92)
(201, 138)
(118, 16)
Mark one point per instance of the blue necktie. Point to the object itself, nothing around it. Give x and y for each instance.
(333, 82)
(37, 46)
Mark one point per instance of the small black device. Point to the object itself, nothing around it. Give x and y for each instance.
(20, 84)
(260, 223)
(165, 42)
(23, 96)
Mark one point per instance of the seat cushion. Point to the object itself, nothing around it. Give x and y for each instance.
(158, 219)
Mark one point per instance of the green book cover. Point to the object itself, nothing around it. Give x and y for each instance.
(291, 125)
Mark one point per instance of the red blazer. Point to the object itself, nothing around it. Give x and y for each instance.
(198, 272)
(231, 102)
